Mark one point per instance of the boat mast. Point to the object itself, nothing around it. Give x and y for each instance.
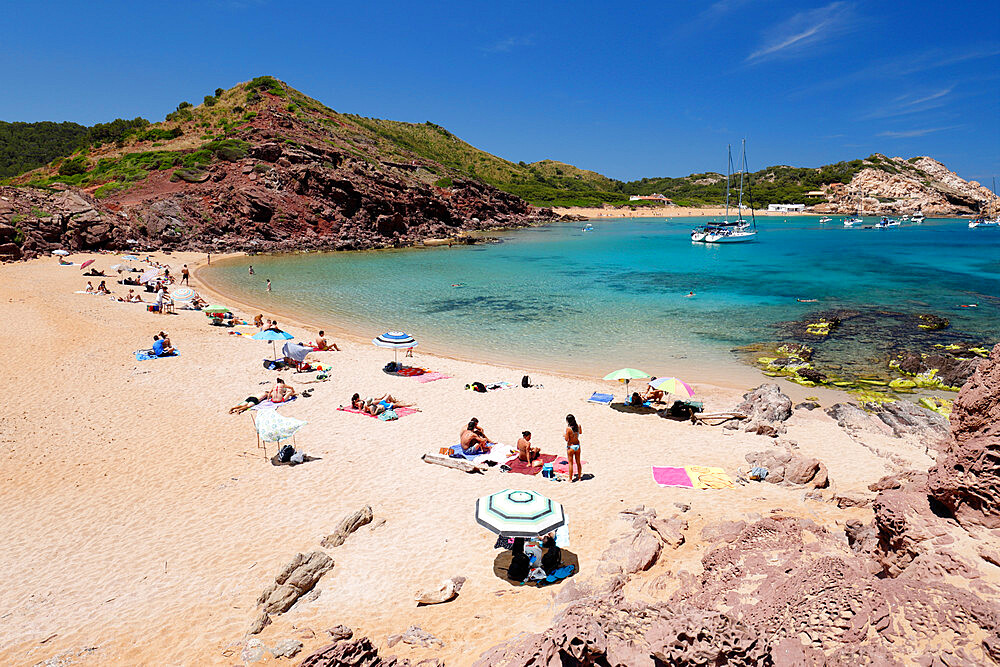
(739, 212)
(729, 169)
(746, 170)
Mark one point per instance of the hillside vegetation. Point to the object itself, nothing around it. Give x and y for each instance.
(117, 154)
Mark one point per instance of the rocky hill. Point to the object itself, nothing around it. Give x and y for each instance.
(894, 185)
(257, 167)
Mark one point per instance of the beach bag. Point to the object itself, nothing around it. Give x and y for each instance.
(525, 382)
(479, 386)
(548, 472)
(285, 453)
(391, 367)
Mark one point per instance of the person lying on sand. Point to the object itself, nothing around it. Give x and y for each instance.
(247, 403)
(281, 392)
(527, 453)
(94, 272)
(472, 438)
(376, 406)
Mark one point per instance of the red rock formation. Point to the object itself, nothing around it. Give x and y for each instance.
(966, 478)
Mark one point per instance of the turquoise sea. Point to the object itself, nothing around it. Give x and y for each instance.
(586, 302)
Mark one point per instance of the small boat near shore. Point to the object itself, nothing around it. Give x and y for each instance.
(825, 219)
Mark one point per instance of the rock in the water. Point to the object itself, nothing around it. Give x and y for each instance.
(286, 648)
(294, 581)
(966, 479)
(348, 525)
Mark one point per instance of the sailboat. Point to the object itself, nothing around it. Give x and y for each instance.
(859, 218)
(982, 220)
(740, 230)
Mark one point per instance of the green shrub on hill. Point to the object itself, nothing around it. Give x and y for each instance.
(27, 146)
(228, 149)
(209, 101)
(114, 132)
(156, 134)
(73, 166)
(219, 92)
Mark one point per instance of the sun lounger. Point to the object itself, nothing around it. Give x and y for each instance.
(603, 399)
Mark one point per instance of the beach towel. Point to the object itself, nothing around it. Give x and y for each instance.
(517, 465)
(498, 386)
(561, 465)
(498, 454)
(603, 399)
(270, 405)
(144, 355)
(696, 477)
(430, 377)
(409, 371)
(400, 412)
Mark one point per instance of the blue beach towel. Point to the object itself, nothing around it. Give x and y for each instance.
(144, 355)
(603, 399)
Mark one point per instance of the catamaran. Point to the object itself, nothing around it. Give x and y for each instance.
(739, 230)
(982, 220)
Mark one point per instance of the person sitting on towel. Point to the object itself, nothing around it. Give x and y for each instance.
(133, 297)
(653, 394)
(527, 453)
(90, 287)
(636, 400)
(322, 344)
(281, 392)
(162, 347)
(473, 440)
(519, 563)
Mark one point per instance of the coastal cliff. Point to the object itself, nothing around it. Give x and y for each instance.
(262, 168)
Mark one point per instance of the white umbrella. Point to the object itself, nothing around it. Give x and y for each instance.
(60, 252)
(396, 341)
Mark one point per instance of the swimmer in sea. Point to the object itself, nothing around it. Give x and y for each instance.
(689, 294)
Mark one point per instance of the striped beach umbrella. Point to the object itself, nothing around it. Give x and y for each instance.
(673, 386)
(183, 294)
(396, 341)
(519, 513)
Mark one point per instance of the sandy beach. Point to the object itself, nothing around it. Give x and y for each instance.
(142, 521)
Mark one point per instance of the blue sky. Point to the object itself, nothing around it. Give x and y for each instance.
(627, 89)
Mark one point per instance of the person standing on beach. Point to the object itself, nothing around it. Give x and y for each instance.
(210, 258)
(268, 284)
(572, 436)
(185, 276)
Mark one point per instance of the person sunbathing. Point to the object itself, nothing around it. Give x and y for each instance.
(635, 401)
(527, 453)
(473, 439)
(247, 403)
(133, 297)
(281, 392)
(376, 406)
(94, 272)
(322, 344)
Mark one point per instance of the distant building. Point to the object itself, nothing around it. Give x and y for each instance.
(663, 199)
(786, 208)
(815, 193)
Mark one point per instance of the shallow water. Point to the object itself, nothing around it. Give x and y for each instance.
(569, 300)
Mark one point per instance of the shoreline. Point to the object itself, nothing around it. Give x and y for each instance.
(670, 212)
(718, 376)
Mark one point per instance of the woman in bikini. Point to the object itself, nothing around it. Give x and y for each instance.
(572, 436)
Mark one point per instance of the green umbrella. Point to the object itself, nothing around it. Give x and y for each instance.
(519, 513)
(626, 374)
(215, 309)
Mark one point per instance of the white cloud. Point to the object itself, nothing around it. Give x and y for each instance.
(910, 104)
(805, 29)
(907, 134)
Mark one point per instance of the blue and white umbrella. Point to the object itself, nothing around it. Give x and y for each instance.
(272, 335)
(396, 341)
(519, 513)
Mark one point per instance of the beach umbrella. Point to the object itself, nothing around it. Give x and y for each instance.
(86, 264)
(519, 513)
(396, 341)
(183, 294)
(296, 351)
(673, 386)
(60, 252)
(215, 309)
(272, 335)
(626, 374)
(149, 275)
(273, 427)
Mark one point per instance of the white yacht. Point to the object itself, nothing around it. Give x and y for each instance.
(825, 219)
(859, 218)
(739, 230)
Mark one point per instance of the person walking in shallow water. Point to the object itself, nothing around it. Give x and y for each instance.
(572, 436)
(251, 269)
(268, 284)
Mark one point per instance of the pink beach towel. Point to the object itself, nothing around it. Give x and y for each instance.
(669, 476)
(561, 465)
(402, 412)
(430, 377)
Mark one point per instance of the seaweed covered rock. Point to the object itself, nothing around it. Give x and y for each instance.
(966, 479)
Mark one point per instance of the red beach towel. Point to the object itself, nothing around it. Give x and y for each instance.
(517, 465)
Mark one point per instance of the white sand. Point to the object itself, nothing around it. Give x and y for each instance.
(141, 519)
